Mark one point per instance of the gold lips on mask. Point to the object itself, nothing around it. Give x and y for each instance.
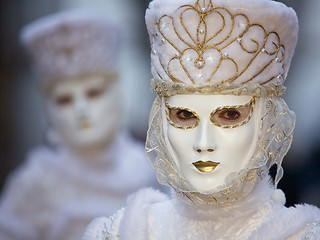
(84, 124)
(205, 167)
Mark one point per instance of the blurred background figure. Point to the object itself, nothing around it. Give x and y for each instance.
(90, 163)
(23, 128)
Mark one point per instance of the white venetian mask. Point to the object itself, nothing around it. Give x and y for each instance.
(85, 112)
(212, 136)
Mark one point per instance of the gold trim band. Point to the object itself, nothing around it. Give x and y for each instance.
(167, 88)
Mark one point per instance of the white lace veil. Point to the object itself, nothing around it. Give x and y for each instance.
(276, 124)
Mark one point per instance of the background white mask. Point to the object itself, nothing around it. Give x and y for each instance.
(85, 112)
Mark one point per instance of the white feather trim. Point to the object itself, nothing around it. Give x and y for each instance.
(134, 222)
(257, 216)
(289, 221)
(95, 229)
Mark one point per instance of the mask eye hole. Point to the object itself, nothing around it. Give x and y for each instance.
(64, 100)
(184, 115)
(232, 116)
(181, 117)
(94, 93)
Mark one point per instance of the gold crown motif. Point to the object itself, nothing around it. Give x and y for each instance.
(204, 44)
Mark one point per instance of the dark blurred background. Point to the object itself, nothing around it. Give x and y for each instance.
(22, 124)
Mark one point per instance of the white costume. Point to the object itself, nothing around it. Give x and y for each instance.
(217, 126)
(151, 215)
(91, 166)
(55, 194)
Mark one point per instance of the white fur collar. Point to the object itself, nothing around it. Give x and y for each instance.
(278, 222)
(288, 221)
(134, 221)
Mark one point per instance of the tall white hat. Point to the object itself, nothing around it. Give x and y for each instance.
(71, 43)
(219, 46)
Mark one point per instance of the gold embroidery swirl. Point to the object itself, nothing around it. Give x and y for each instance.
(231, 29)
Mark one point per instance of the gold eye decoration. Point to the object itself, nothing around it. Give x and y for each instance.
(225, 117)
(182, 118)
(232, 116)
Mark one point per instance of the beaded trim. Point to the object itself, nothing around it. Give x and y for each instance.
(312, 232)
(168, 88)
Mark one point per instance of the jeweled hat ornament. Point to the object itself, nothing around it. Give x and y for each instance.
(71, 43)
(222, 47)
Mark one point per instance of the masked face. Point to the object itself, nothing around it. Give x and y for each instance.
(85, 112)
(211, 136)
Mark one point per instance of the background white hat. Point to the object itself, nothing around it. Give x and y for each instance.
(71, 43)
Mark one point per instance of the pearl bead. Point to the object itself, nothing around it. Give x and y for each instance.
(154, 52)
(239, 40)
(201, 31)
(263, 50)
(277, 59)
(200, 63)
(225, 55)
(203, 10)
